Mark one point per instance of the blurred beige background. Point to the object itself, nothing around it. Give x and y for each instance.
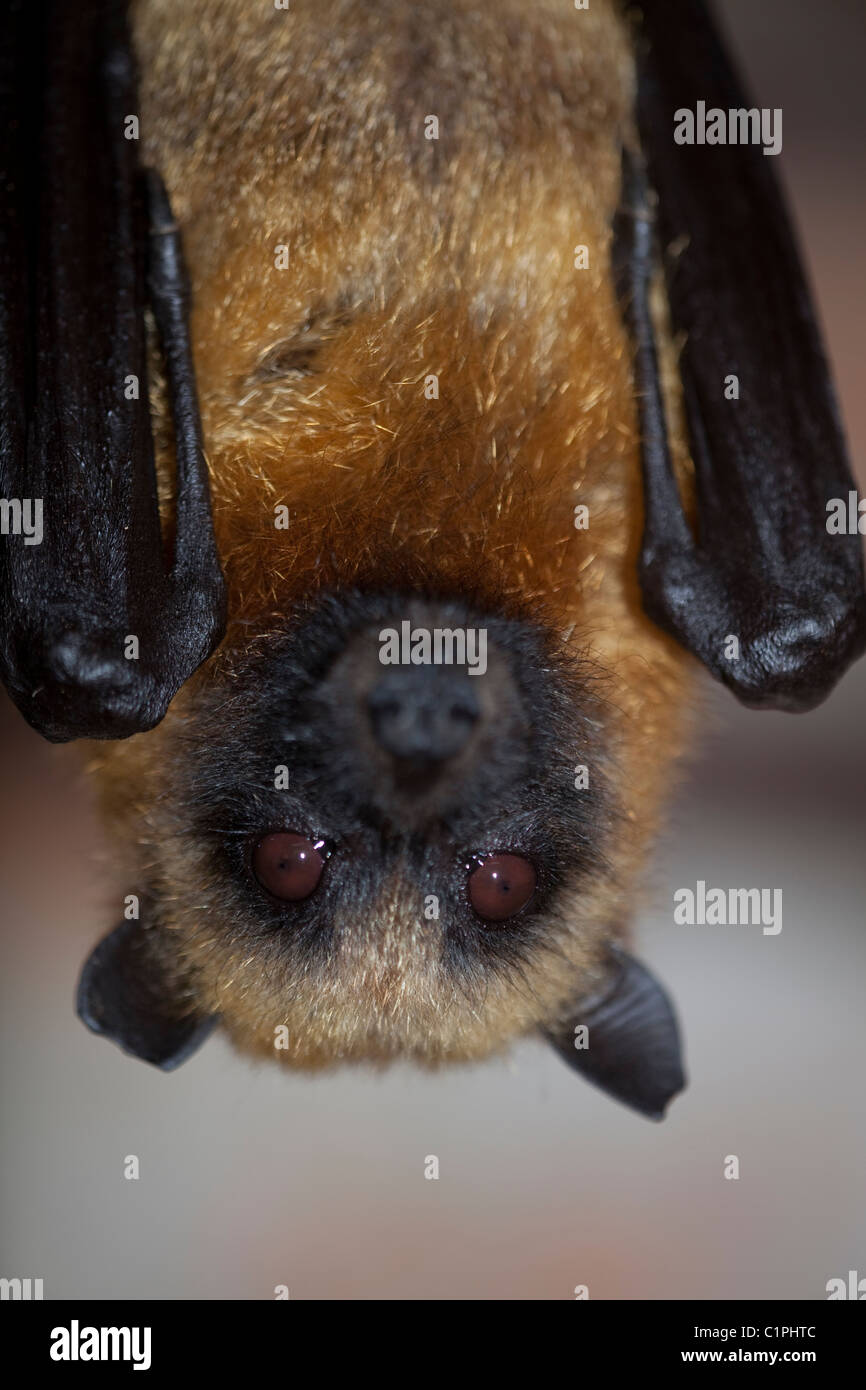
(251, 1178)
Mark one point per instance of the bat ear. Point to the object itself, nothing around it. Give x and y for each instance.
(125, 994)
(629, 1042)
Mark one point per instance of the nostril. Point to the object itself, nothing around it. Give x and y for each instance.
(465, 711)
(387, 708)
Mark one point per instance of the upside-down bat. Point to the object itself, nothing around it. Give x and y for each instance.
(457, 346)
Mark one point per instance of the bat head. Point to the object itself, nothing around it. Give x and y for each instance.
(378, 837)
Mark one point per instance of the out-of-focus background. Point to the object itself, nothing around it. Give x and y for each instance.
(251, 1178)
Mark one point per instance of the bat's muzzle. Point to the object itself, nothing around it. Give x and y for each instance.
(420, 706)
(423, 716)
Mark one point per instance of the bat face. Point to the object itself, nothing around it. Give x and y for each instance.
(346, 858)
(373, 860)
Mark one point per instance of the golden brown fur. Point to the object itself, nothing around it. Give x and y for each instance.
(305, 128)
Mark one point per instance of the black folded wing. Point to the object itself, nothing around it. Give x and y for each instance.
(86, 243)
(762, 567)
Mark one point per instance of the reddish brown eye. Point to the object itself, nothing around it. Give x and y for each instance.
(289, 866)
(501, 886)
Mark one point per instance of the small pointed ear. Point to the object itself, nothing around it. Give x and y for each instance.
(126, 994)
(633, 1046)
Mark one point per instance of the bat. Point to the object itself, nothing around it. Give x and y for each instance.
(384, 516)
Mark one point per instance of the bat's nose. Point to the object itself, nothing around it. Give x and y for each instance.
(423, 715)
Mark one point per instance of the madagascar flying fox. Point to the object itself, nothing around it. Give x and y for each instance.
(384, 518)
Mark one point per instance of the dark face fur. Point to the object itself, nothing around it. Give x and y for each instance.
(404, 780)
